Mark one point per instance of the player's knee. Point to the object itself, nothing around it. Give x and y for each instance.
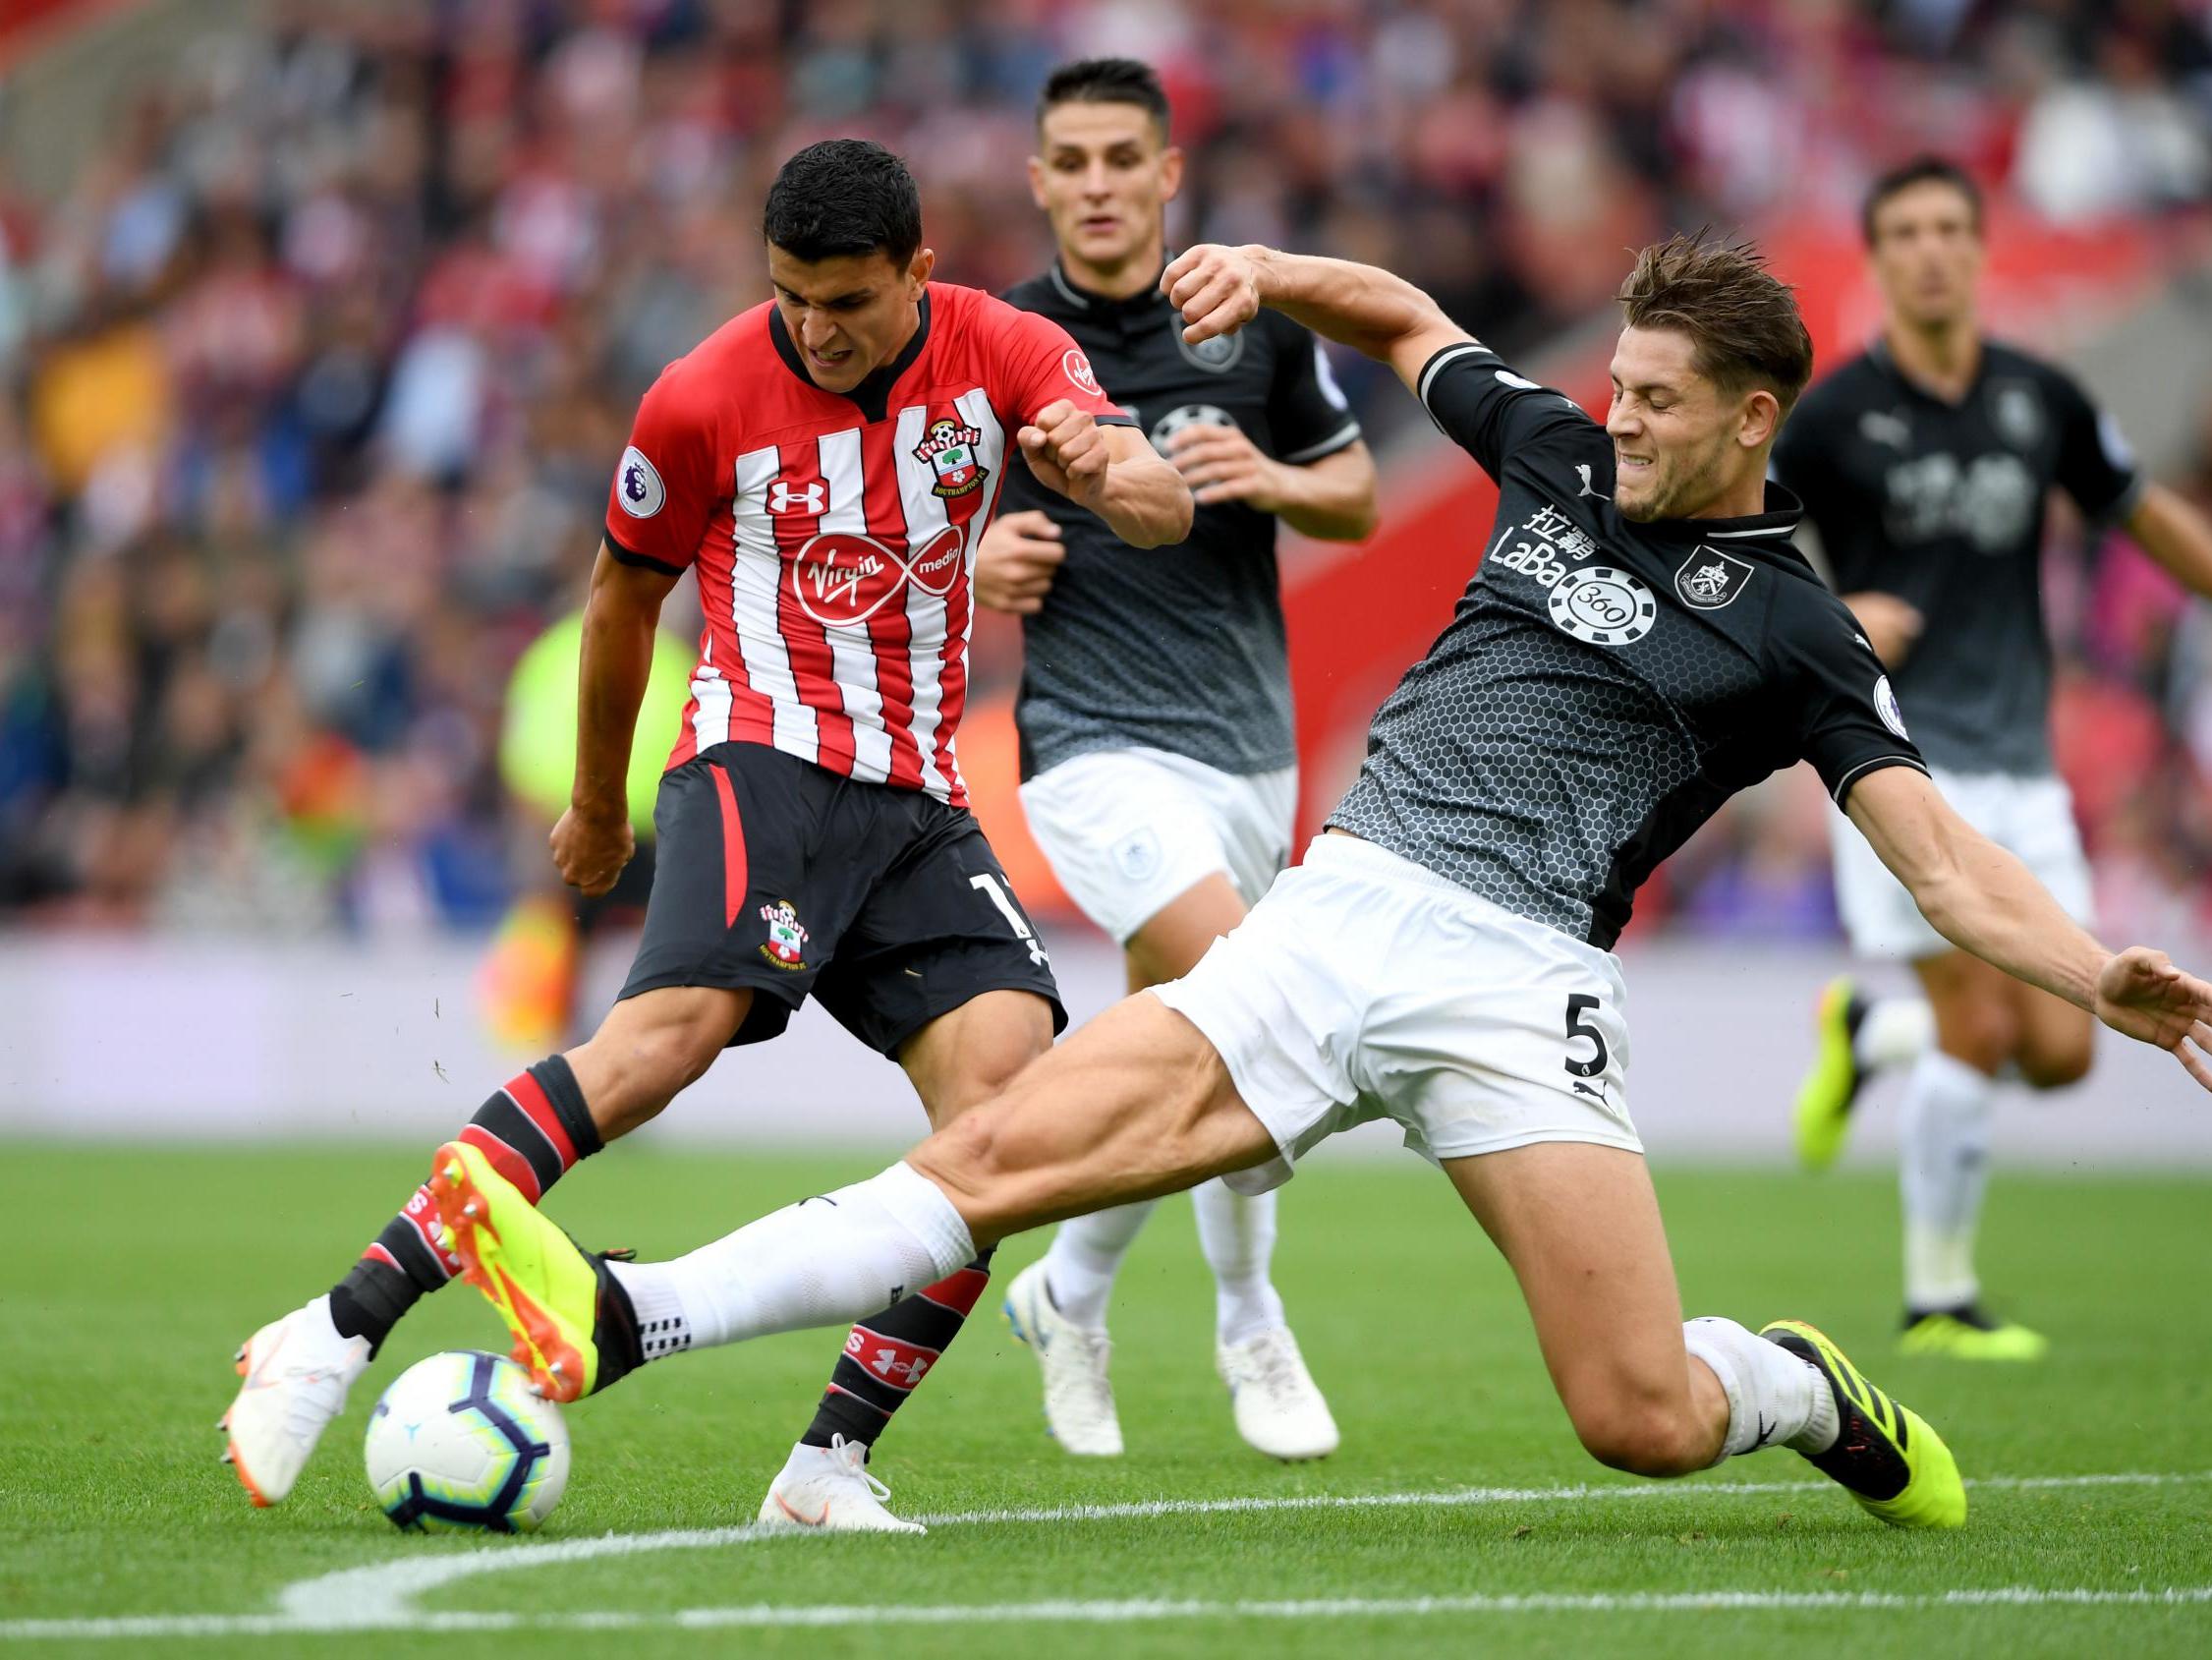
(646, 1071)
(1641, 1434)
(1980, 1031)
(2057, 1065)
(965, 1154)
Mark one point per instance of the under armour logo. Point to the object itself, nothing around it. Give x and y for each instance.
(782, 498)
(1584, 466)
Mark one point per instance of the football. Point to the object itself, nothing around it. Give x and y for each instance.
(460, 1444)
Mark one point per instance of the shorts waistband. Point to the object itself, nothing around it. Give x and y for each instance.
(1353, 853)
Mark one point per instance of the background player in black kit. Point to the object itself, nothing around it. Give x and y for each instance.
(1925, 466)
(1639, 642)
(1160, 771)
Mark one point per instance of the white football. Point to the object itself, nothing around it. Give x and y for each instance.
(458, 1444)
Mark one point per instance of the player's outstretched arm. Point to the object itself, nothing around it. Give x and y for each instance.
(1111, 470)
(1378, 316)
(594, 841)
(1983, 900)
(2174, 532)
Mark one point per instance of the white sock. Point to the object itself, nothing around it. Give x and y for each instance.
(1774, 1399)
(1943, 1132)
(1894, 1032)
(825, 1261)
(1237, 1235)
(1085, 1254)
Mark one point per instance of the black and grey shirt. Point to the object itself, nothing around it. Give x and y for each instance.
(1942, 505)
(1603, 686)
(1176, 648)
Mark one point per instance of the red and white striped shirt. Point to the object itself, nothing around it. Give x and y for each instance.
(835, 533)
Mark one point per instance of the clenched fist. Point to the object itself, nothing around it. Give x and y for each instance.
(1216, 288)
(1066, 452)
(589, 849)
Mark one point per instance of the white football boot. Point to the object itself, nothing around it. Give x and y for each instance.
(829, 1488)
(1279, 1408)
(297, 1372)
(1078, 1396)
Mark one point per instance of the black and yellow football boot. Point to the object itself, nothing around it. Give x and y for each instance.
(1885, 1456)
(1831, 1084)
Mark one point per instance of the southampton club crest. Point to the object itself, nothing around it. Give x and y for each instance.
(950, 450)
(1710, 579)
(786, 945)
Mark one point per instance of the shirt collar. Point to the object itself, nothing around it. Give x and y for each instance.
(1769, 530)
(873, 394)
(1146, 298)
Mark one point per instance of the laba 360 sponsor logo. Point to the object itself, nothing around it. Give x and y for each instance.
(1604, 605)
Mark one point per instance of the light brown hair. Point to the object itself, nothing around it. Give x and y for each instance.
(1742, 320)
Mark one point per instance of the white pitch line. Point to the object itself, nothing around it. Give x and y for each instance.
(363, 1595)
(874, 1615)
(380, 1595)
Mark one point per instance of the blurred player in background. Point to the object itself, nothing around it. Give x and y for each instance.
(1160, 769)
(529, 981)
(826, 461)
(1925, 466)
(1640, 640)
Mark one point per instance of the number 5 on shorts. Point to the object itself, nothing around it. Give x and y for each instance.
(997, 896)
(1579, 1003)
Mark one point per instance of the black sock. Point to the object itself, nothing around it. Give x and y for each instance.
(888, 1355)
(532, 1130)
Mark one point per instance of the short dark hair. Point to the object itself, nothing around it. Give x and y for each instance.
(844, 198)
(1921, 170)
(1742, 321)
(1107, 81)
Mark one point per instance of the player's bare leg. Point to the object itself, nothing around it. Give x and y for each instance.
(1580, 1226)
(297, 1370)
(957, 1061)
(1135, 1105)
(1984, 1020)
(1058, 1305)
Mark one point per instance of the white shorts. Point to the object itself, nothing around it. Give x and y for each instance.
(2032, 818)
(1128, 829)
(1364, 986)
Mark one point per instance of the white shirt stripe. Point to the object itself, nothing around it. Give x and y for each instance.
(925, 611)
(852, 655)
(757, 573)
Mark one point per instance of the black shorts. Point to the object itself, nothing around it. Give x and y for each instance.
(778, 877)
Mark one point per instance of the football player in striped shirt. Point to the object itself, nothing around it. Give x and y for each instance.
(827, 464)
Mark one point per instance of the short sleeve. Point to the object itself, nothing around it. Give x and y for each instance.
(1036, 362)
(1847, 720)
(664, 489)
(1488, 410)
(2096, 467)
(1308, 413)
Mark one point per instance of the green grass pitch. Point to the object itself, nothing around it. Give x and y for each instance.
(134, 1274)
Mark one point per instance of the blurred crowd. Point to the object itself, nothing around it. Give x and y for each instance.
(310, 381)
